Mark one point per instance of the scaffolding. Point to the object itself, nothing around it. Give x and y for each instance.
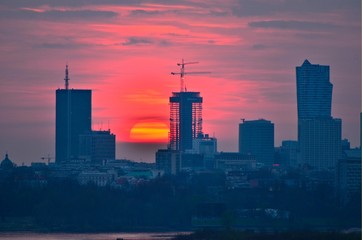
(174, 125)
(196, 120)
(185, 119)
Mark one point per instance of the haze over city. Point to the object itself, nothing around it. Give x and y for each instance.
(125, 51)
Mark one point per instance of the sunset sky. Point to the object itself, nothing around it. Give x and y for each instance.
(125, 50)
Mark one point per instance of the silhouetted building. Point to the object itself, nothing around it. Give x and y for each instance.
(207, 146)
(320, 142)
(98, 178)
(346, 145)
(204, 144)
(185, 119)
(168, 161)
(98, 146)
(314, 91)
(289, 153)
(6, 164)
(349, 175)
(73, 118)
(319, 135)
(228, 161)
(256, 137)
(191, 161)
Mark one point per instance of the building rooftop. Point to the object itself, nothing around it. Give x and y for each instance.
(6, 163)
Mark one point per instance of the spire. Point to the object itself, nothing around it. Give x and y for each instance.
(66, 77)
(306, 62)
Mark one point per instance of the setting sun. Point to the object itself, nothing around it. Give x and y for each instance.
(149, 132)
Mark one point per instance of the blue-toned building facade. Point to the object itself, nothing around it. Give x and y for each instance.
(319, 134)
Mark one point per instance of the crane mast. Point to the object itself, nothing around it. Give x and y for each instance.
(182, 73)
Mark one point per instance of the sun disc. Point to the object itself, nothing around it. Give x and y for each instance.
(149, 132)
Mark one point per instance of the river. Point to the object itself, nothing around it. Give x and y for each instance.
(87, 236)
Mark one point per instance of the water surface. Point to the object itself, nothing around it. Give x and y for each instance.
(87, 236)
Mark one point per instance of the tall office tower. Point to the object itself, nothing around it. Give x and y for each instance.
(185, 119)
(319, 135)
(314, 91)
(97, 146)
(320, 143)
(256, 137)
(73, 118)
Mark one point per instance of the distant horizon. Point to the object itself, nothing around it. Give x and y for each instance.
(138, 152)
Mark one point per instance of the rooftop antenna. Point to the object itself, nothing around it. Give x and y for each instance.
(66, 79)
(69, 99)
(182, 74)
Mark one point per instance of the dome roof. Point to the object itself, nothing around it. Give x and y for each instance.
(6, 163)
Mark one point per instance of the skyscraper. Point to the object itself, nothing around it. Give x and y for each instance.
(185, 119)
(319, 135)
(314, 91)
(73, 118)
(256, 137)
(320, 142)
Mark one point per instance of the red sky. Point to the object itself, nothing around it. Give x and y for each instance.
(125, 50)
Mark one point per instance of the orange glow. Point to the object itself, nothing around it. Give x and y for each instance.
(149, 132)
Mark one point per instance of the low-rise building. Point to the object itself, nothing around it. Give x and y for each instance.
(234, 161)
(349, 175)
(168, 161)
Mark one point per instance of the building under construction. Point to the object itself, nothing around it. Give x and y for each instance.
(185, 119)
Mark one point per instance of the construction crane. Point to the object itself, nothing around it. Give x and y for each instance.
(182, 74)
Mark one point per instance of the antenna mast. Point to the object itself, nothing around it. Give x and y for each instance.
(182, 74)
(66, 79)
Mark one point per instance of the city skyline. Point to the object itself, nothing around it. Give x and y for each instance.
(125, 52)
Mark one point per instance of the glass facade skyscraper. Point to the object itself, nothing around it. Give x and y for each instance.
(73, 117)
(319, 134)
(314, 91)
(320, 142)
